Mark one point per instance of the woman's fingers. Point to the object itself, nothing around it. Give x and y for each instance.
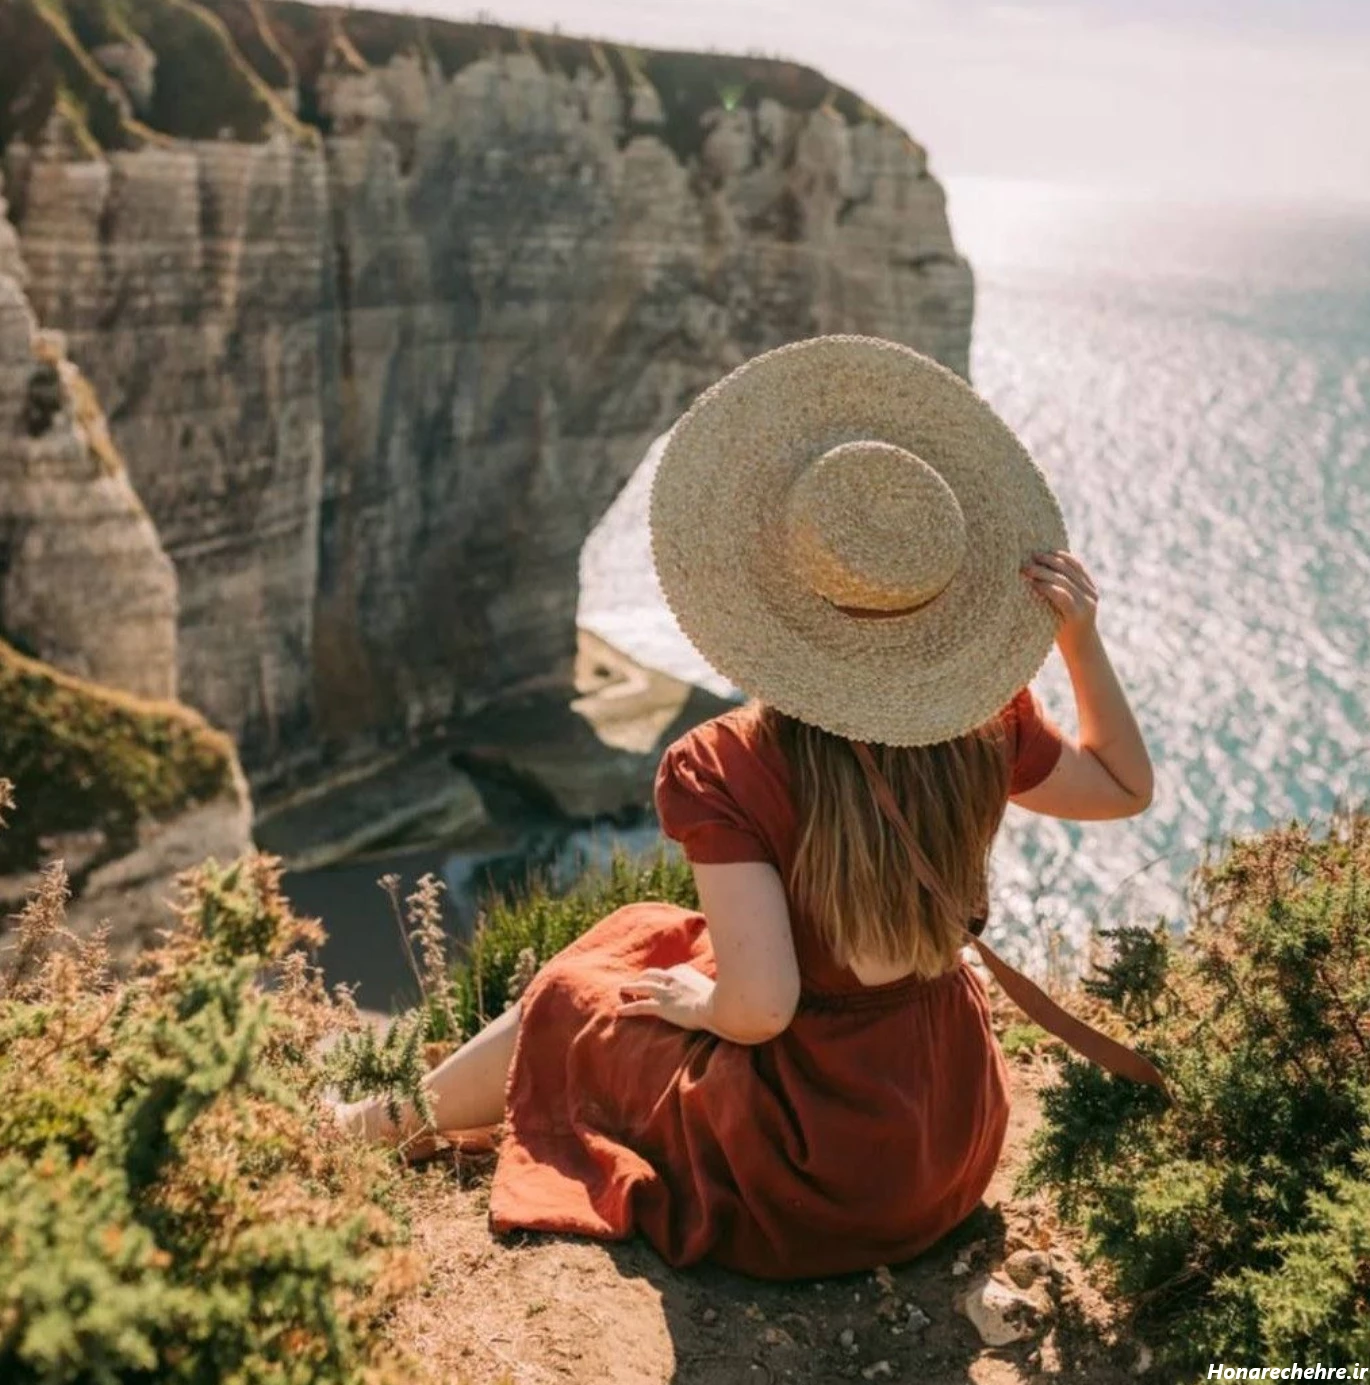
(640, 1007)
(1067, 563)
(647, 981)
(1042, 576)
(1048, 584)
(1050, 573)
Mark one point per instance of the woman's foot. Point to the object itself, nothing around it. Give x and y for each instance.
(369, 1119)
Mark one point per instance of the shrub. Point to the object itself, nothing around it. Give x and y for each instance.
(1237, 1220)
(175, 1204)
(516, 935)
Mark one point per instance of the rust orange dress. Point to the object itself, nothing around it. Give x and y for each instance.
(858, 1137)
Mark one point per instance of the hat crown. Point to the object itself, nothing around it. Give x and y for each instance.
(871, 526)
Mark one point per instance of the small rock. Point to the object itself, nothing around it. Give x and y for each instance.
(884, 1279)
(710, 1315)
(1143, 1362)
(1002, 1313)
(888, 1308)
(917, 1319)
(878, 1369)
(799, 1327)
(1026, 1267)
(846, 1337)
(960, 1267)
(754, 1313)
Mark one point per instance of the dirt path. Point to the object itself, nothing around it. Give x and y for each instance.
(534, 1310)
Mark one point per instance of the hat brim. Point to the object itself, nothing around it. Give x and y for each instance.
(721, 554)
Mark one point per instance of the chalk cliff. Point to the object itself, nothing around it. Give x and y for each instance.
(128, 790)
(84, 581)
(383, 311)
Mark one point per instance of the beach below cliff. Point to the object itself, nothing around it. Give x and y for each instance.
(562, 783)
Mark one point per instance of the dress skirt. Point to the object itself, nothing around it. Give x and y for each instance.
(858, 1137)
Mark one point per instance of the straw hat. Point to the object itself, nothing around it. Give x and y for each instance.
(838, 527)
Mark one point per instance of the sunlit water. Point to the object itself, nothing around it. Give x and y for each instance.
(1195, 382)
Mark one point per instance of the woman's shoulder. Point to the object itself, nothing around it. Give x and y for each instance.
(1035, 741)
(731, 739)
(733, 722)
(716, 787)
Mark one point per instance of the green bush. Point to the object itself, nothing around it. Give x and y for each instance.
(514, 936)
(175, 1202)
(1236, 1221)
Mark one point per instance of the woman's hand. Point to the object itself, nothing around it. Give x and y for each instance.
(1061, 578)
(681, 996)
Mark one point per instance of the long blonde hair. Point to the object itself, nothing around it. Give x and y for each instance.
(853, 875)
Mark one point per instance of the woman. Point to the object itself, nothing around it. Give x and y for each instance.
(801, 1078)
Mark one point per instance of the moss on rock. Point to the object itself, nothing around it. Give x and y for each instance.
(45, 69)
(689, 84)
(87, 758)
(222, 66)
(204, 87)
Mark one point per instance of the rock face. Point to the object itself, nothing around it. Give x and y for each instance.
(84, 581)
(127, 790)
(187, 280)
(384, 311)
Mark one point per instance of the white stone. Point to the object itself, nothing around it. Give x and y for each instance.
(1002, 1313)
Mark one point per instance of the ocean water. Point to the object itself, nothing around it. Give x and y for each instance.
(1195, 382)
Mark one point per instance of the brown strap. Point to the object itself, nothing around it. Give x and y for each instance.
(1027, 995)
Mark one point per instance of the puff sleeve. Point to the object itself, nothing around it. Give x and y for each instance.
(1035, 741)
(696, 806)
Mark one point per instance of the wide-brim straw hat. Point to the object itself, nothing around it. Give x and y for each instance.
(839, 527)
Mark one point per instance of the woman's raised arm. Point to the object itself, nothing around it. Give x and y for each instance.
(1106, 772)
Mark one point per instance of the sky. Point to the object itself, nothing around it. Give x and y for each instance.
(1196, 99)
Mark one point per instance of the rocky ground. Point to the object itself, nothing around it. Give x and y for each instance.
(1003, 1301)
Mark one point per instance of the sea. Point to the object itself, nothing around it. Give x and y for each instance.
(1194, 380)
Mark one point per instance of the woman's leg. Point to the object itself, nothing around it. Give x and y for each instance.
(466, 1089)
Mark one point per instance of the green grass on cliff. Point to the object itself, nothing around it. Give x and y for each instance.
(84, 757)
(204, 87)
(236, 67)
(45, 67)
